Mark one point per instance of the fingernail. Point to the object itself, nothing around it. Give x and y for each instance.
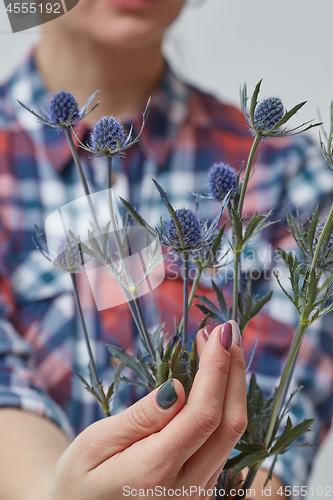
(166, 395)
(236, 336)
(226, 336)
(207, 331)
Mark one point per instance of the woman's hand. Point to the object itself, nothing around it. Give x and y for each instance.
(148, 447)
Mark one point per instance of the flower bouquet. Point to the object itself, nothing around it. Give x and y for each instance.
(97, 238)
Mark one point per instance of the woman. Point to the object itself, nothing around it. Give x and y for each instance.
(114, 46)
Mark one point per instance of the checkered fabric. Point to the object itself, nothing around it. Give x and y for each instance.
(41, 342)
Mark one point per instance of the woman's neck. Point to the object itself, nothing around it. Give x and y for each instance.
(125, 78)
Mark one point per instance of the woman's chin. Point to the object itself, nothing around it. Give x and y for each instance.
(131, 4)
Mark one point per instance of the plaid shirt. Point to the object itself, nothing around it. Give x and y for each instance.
(41, 342)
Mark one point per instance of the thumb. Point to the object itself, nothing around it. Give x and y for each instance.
(149, 415)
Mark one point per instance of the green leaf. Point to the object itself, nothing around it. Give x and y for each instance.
(270, 472)
(244, 460)
(85, 383)
(217, 240)
(282, 288)
(259, 412)
(157, 339)
(138, 367)
(217, 316)
(137, 218)
(176, 360)
(260, 303)
(162, 371)
(312, 229)
(324, 311)
(133, 382)
(221, 299)
(251, 447)
(286, 117)
(171, 211)
(210, 305)
(237, 225)
(287, 257)
(33, 113)
(113, 389)
(289, 435)
(144, 364)
(256, 224)
(255, 308)
(254, 100)
(193, 361)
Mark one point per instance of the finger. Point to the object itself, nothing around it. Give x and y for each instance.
(214, 453)
(202, 414)
(201, 339)
(149, 415)
(203, 335)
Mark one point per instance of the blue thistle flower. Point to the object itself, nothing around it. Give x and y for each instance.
(222, 179)
(268, 113)
(108, 136)
(263, 117)
(63, 108)
(189, 228)
(69, 256)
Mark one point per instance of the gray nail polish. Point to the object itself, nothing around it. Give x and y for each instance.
(166, 395)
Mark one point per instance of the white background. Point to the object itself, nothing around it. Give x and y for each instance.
(219, 45)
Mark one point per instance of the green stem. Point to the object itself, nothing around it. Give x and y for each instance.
(249, 479)
(284, 379)
(239, 208)
(255, 144)
(288, 369)
(81, 174)
(95, 379)
(143, 330)
(192, 294)
(104, 403)
(186, 261)
(235, 287)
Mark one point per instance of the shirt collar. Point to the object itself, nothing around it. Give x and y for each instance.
(169, 110)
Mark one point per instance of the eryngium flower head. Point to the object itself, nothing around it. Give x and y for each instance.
(63, 109)
(69, 256)
(325, 256)
(190, 235)
(222, 180)
(267, 119)
(108, 136)
(267, 113)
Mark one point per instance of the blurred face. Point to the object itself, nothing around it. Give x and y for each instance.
(121, 23)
